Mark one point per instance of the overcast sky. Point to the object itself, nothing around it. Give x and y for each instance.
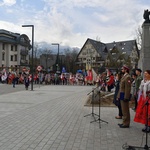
(71, 22)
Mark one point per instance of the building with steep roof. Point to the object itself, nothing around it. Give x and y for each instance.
(97, 55)
(14, 50)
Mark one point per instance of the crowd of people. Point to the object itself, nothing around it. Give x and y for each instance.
(79, 78)
(45, 78)
(126, 87)
(133, 87)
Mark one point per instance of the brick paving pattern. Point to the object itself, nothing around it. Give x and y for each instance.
(52, 118)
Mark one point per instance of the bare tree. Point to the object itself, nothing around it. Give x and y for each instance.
(98, 38)
(35, 54)
(45, 55)
(138, 36)
(70, 57)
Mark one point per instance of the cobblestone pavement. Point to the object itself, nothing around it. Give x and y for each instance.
(8, 88)
(52, 118)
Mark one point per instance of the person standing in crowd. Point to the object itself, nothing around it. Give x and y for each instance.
(124, 95)
(103, 81)
(62, 76)
(133, 89)
(26, 81)
(56, 79)
(137, 85)
(13, 74)
(117, 101)
(110, 82)
(144, 102)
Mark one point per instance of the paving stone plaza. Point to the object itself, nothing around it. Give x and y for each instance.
(52, 118)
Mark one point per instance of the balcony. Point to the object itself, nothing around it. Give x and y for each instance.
(22, 62)
(24, 52)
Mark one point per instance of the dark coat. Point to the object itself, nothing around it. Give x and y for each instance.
(26, 81)
(115, 101)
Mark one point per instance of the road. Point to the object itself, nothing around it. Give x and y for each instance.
(8, 88)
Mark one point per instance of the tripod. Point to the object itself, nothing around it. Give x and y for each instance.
(99, 118)
(147, 118)
(92, 113)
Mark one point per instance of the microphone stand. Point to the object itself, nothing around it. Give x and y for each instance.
(92, 113)
(99, 118)
(146, 104)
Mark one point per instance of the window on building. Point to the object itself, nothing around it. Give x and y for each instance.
(87, 51)
(15, 57)
(23, 57)
(22, 39)
(12, 47)
(11, 58)
(3, 56)
(79, 59)
(15, 47)
(3, 46)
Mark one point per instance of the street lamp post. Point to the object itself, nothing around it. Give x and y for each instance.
(32, 26)
(57, 54)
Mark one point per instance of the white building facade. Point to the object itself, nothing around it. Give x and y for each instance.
(14, 50)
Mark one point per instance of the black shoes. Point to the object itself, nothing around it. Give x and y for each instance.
(123, 126)
(120, 124)
(146, 129)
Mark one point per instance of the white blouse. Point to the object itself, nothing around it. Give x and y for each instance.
(144, 87)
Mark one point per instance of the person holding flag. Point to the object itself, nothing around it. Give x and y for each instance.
(4, 76)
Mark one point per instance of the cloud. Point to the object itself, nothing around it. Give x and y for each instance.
(10, 26)
(8, 2)
(71, 22)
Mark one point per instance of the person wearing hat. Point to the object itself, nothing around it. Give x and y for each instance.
(124, 96)
(137, 84)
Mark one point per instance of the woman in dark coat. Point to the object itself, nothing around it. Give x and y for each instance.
(116, 101)
(26, 82)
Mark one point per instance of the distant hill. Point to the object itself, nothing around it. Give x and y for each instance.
(41, 46)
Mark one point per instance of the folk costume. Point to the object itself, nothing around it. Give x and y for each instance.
(62, 76)
(110, 83)
(141, 111)
(13, 76)
(90, 77)
(124, 95)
